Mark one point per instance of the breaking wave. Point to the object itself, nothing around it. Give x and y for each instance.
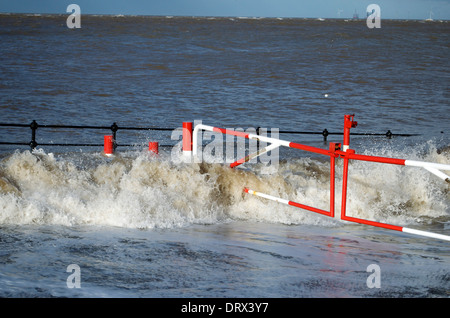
(136, 190)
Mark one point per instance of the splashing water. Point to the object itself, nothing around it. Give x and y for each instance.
(136, 190)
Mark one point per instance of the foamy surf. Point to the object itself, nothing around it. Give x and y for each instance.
(137, 190)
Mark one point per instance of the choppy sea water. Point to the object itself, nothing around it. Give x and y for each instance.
(146, 226)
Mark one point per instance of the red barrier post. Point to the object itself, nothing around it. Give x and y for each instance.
(187, 138)
(153, 146)
(108, 146)
(348, 124)
(333, 156)
(344, 184)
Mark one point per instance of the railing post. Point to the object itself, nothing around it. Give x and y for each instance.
(258, 132)
(344, 183)
(34, 126)
(389, 134)
(108, 145)
(114, 129)
(348, 123)
(187, 139)
(153, 147)
(332, 149)
(325, 135)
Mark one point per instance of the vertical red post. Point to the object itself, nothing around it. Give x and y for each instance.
(108, 146)
(153, 146)
(187, 138)
(348, 124)
(344, 185)
(333, 148)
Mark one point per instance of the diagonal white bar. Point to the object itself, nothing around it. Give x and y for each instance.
(424, 164)
(270, 140)
(428, 234)
(438, 173)
(255, 155)
(266, 196)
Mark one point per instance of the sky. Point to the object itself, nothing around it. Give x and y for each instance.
(390, 9)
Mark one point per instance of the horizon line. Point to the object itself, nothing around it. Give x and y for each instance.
(213, 16)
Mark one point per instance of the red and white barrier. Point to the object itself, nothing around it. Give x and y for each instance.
(254, 155)
(275, 142)
(333, 152)
(292, 203)
(367, 222)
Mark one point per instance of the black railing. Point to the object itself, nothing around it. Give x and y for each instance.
(34, 126)
(325, 133)
(113, 128)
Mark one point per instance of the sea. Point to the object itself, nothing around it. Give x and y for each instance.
(75, 223)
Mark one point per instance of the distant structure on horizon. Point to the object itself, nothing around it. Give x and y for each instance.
(355, 15)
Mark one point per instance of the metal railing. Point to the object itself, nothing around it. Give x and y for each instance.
(34, 126)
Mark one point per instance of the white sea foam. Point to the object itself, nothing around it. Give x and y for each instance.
(140, 191)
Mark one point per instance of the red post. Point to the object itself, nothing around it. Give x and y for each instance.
(348, 124)
(108, 146)
(332, 163)
(333, 155)
(153, 146)
(344, 185)
(187, 138)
